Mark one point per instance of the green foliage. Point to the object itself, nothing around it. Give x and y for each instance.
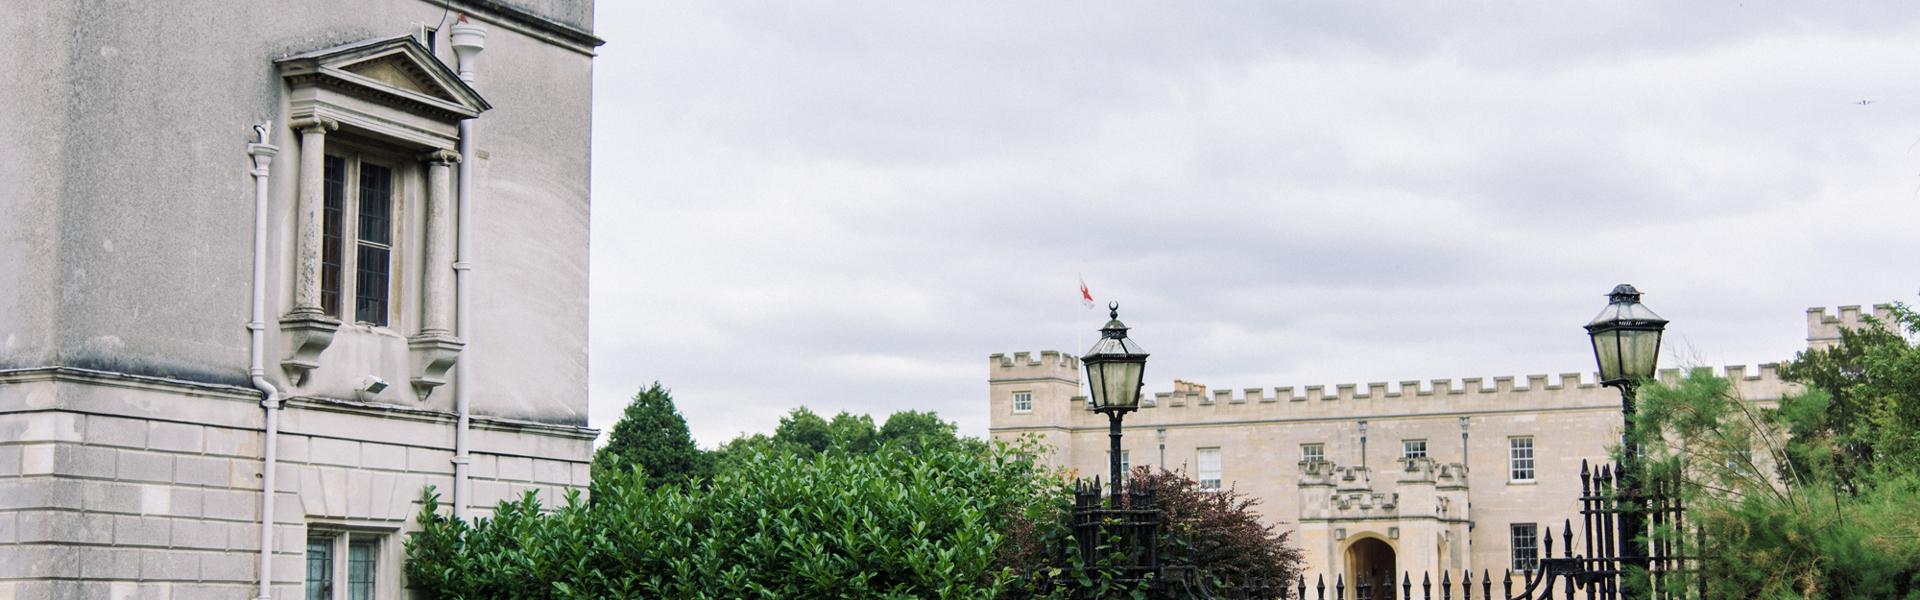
(886, 524)
(806, 434)
(652, 436)
(1793, 502)
(1867, 426)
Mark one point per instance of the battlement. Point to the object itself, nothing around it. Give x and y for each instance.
(1823, 330)
(1763, 382)
(1023, 365)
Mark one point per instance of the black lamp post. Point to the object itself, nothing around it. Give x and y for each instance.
(1114, 368)
(1626, 342)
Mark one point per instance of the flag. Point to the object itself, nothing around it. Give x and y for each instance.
(1086, 297)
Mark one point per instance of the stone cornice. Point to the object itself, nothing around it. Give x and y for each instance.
(127, 381)
(521, 18)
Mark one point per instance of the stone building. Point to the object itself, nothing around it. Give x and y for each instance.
(332, 250)
(1415, 476)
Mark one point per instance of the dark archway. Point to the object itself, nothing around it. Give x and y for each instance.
(1372, 557)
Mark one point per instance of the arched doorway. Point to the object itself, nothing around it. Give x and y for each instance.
(1370, 556)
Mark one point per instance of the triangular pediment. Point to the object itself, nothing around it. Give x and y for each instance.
(395, 71)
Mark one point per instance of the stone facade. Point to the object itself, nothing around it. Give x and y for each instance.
(132, 432)
(1364, 503)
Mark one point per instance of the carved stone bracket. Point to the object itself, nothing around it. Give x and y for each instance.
(308, 334)
(434, 352)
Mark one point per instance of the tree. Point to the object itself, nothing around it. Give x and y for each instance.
(917, 430)
(1765, 501)
(806, 434)
(1867, 424)
(653, 436)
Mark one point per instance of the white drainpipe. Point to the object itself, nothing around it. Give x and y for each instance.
(468, 40)
(263, 154)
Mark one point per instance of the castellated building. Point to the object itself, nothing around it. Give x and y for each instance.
(270, 269)
(1415, 476)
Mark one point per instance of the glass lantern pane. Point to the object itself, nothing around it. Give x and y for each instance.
(1121, 382)
(1096, 386)
(1606, 347)
(1639, 353)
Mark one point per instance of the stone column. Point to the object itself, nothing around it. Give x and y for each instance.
(435, 349)
(436, 302)
(308, 328)
(312, 204)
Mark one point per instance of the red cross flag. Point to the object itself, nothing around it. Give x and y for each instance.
(1086, 297)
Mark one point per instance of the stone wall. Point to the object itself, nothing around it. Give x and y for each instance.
(1260, 433)
(121, 487)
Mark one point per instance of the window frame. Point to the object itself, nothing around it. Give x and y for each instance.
(1523, 558)
(342, 267)
(1317, 457)
(344, 570)
(1200, 468)
(1407, 449)
(1022, 398)
(1522, 469)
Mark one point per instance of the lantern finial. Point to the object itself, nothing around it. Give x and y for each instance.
(1624, 293)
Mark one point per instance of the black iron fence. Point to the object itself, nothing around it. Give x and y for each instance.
(1124, 543)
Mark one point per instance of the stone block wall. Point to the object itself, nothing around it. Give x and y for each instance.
(119, 487)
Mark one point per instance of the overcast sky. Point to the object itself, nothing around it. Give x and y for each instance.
(850, 205)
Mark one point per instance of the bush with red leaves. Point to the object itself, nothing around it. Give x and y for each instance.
(1214, 530)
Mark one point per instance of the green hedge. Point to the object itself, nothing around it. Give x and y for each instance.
(892, 524)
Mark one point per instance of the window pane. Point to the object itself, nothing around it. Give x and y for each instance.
(1313, 453)
(360, 555)
(376, 204)
(1526, 547)
(319, 568)
(370, 287)
(1022, 401)
(334, 210)
(1414, 448)
(1520, 458)
(1209, 459)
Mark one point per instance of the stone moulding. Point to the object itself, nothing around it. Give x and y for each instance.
(433, 354)
(392, 88)
(308, 334)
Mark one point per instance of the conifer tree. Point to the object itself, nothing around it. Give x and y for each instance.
(653, 435)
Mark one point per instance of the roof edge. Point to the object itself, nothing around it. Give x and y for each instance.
(532, 20)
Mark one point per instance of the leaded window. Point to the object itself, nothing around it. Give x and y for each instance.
(350, 558)
(360, 559)
(319, 568)
(1526, 547)
(368, 221)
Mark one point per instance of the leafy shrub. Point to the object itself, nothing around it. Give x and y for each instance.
(1215, 531)
(890, 524)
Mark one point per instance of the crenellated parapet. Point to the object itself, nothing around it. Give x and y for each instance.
(1049, 364)
(1469, 394)
(1823, 330)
